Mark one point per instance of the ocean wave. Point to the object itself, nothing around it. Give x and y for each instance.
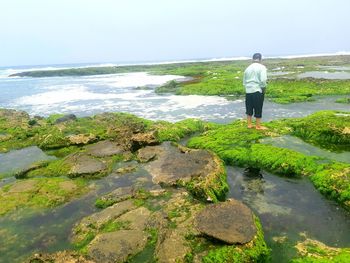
(125, 80)
(72, 93)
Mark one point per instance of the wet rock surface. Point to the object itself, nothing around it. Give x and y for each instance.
(82, 164)
(117, 246)
(172, 163)
(104, 148)
(95, 221)
(60, 257)
(80, 139)
(65, 118)
(231, 222)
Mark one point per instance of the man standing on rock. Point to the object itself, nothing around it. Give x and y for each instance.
(254, 81)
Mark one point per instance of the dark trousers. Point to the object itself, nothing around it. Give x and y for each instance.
(254, 103)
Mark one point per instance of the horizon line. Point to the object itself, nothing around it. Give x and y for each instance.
(164, 62)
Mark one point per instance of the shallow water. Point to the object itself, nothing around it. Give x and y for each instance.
(289, 207)
(18, 160)
(25, 232)
(296, 144)
(325, 75)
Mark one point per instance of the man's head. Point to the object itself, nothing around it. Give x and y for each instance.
(257, 57)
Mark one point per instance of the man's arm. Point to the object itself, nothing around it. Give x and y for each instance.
(244, 79)
(263, 78)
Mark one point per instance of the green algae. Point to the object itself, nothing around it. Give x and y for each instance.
(213, 188)
(343, 100)
(225, 77)
(254, 251)
(324, 128)
(58, 138)
(313, 251)
(39, 193)
(237, 145)
(167, 131)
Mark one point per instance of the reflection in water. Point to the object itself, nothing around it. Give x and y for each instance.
(21, 159)
(325, 75)
(288, 207)
(296, 144)
(48, 230)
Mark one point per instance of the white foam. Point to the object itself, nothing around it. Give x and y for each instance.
(139, 79)
(72, 93)
(176, 102)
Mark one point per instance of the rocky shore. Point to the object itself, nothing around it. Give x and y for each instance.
(176, 210)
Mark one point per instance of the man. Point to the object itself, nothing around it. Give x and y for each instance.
(254, 81)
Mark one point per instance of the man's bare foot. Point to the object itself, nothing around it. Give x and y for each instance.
(250, 126)
(261, 128)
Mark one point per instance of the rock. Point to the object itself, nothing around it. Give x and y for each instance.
(81, 139)
(59, 257)
(14, 118)
(231, 222)
(23, 186)
(140, 140)
(95, 221)
(172, 245)
(104, 148)
(117, 246)
(147, 154)
(173, 248)
(65, 118)
(172, 163)
(118, 195)
(137, 218)
(23, 173)
(68, 186)
(81, 165)
(5, 137)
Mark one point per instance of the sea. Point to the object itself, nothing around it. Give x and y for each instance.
(132, 93)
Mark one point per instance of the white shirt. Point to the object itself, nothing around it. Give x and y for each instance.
(255, 77)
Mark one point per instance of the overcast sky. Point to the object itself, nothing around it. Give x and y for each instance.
(34, 32)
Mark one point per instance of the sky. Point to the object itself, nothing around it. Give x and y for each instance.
(39, 32)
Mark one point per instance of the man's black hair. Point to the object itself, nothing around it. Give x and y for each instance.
(257, 56)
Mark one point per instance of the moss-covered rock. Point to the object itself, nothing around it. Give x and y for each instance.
(200, 171)
(254, 251)
(39, 193)
(313, 251)
(237, 145)
(324, 128)
(167, 131)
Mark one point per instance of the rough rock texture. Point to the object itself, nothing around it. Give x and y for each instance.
(172, 245)
(80, 139)
(117, 246)
(173, 248)
(137, 218)
(95, 221)
(230, 221)
(119, 194)
(60, 257)
(172, 163)
(81, 164)
(23, 186)
(120, 242)
(15, 118)
(104, 148)
(139, 140)
(67, 117)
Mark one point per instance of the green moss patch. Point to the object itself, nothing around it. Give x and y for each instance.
(237, 145)
(39, 193)
(167, 131)
(313, 251)
(324, 128)
(254, 251)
